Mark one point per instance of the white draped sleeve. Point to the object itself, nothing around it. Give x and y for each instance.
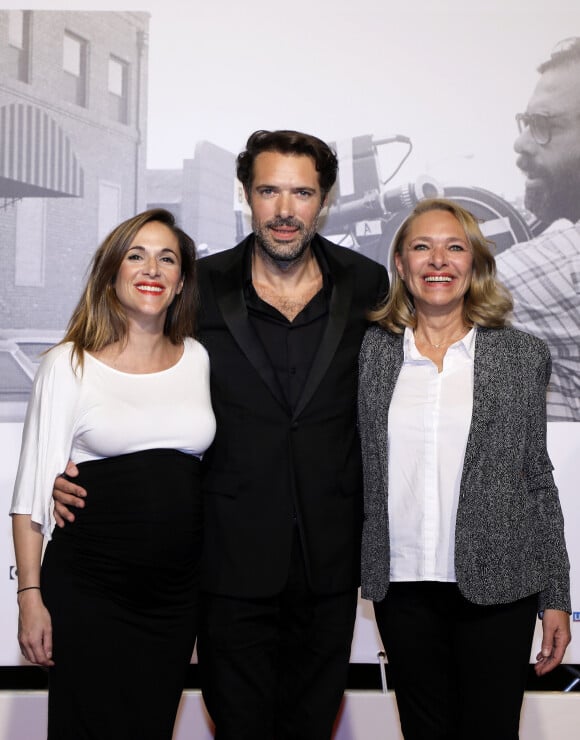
(47, 436)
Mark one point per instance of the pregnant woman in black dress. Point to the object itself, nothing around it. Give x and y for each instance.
(125, 396)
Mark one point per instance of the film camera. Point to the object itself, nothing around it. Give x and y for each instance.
(365, 213)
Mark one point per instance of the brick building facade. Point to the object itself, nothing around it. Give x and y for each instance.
(73, 96)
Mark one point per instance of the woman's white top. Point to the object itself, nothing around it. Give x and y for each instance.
(102, 412)
(429, 420)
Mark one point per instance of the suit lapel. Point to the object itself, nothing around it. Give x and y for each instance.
(230, 298)
(338, 315)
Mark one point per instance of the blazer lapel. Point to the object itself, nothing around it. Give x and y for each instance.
(230, 298)
(488, 385)
(338, 315)
(390, 363)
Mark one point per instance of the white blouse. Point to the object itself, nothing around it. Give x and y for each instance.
(429, 421)
(103, 412)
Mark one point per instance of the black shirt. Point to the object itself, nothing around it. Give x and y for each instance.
(290, 345)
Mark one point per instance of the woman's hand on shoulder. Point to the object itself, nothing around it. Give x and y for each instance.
(34, 629)
(555, 639)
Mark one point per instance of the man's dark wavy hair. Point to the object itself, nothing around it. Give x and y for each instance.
(288, 142)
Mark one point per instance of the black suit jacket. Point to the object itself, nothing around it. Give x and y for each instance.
(269, 467)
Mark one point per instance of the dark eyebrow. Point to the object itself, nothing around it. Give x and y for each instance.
(164, 249)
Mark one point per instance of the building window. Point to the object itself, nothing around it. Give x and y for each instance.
(118, 90)
(74, 65)
(19, 44)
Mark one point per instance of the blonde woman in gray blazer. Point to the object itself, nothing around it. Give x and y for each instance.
(463, 538)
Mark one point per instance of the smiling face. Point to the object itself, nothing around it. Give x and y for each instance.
(285, 200)
(149, 277)
(436, 263)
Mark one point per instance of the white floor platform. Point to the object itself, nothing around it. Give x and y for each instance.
(366, 715)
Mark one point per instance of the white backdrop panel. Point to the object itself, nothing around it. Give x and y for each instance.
(449, 75)
(563, 442)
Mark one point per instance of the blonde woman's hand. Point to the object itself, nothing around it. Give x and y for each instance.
(555, 639)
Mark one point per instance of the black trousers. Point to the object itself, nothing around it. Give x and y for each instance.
(276, 668)
(459, 670)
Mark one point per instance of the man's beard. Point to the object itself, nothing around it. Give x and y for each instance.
(282, 252)
(551, 197)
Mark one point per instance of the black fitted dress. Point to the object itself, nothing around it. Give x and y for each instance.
(121, 586)
(121, 582)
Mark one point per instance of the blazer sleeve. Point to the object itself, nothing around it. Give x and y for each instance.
(540, 483)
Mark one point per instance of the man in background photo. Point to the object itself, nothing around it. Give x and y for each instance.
(544, 273)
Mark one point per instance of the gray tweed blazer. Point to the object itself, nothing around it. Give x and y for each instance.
(509, 537)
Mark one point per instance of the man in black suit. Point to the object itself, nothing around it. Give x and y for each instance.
(282, 317)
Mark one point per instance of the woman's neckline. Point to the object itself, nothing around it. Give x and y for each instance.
(144, 374)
